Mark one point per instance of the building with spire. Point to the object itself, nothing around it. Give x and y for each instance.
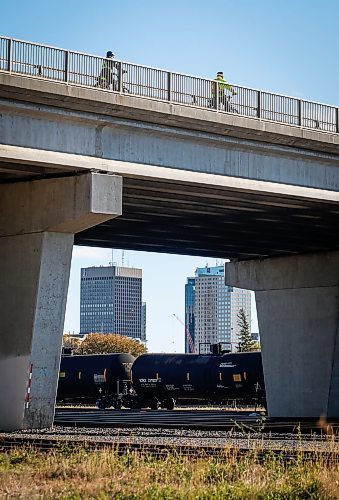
(211, 309)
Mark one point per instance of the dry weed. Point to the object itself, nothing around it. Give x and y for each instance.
(81, 474)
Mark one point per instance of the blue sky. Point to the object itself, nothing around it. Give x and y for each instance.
(288, 47)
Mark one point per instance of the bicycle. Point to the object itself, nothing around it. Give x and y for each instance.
(224, 104)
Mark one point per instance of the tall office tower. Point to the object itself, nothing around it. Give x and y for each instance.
(215, 309)
(189, 315)
(110, 301)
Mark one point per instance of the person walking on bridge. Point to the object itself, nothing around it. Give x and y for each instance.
(223, 95)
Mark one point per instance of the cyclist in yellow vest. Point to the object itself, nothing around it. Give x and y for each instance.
(223, 88)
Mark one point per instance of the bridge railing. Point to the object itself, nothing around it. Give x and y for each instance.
(75, 68)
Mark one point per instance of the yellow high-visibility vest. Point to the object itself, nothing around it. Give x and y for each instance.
(222, 86)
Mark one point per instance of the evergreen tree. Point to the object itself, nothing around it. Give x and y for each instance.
(246, 344)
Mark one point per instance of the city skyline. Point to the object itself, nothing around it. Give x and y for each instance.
(170, 336)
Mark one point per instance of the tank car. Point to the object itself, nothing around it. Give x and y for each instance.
(100, 378)
(163, 379)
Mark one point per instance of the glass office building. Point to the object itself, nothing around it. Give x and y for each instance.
(211, 309)
(111, 301)
(189, 315)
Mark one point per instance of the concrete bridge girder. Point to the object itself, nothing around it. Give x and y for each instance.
(38, 220)
(298, 309)
(127, 140)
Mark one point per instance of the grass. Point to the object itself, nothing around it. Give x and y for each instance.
(81, 473)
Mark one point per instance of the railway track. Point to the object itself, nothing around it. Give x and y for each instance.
(191, 419)
(46, 444)
(195, 433)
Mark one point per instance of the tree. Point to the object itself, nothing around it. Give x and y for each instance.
(246, 344)
(70, 342)
(100, 343)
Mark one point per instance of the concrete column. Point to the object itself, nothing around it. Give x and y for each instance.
(38, 220)
(298, 310)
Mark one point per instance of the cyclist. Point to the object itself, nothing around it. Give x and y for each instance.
(108, 77)
(223, 96)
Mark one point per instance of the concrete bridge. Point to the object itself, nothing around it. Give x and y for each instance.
(164, 168)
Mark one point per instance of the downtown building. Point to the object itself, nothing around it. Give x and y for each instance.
(211, 309)
(111, 301)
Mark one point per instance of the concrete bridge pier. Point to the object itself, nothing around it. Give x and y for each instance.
(298, 311)
(38, 220)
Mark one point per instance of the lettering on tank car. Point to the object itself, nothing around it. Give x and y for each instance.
(221, 386)
(170, 387)
(229, 364)
(188, 387)
(150, 382)
(98, 378)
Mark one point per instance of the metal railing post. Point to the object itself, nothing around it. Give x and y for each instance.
(300, 112)
(120, 83)
(259, 104)
(216, 95)
(337, 120)
(9, 55)
(66, 65)
(169, 86)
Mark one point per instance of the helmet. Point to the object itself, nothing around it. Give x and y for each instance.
(220, 73)
(110, 54)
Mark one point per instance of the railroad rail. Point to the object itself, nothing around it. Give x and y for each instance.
(192, 420)
(44, 62)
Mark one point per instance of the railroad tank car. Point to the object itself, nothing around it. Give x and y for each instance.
(101, 378)
(170, 377)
